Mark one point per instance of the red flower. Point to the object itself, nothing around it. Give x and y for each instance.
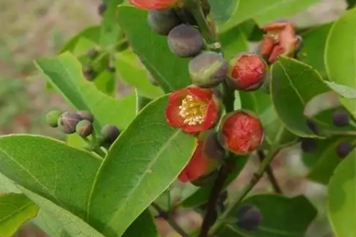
(247, 72)
(198, 166)
(153, 4)
(241, 132)
(280, 39)
(193, 109)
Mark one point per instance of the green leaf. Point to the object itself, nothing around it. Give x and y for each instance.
(281, 216)
(261, 104)
(129, 70)
(340, 55)
(91, 33)
(314, 43)
(223, 10)
(327, 159)
(342, 198)
(106, 82)
(53, 175)
(15, 210)
(233, 42)
(64, 72)
(110, 31)
(49, 168)
(170, 71)
(50, 225)
(143, 226)
(201, 196)
(266, 11)
(293, 85)
(140, 165)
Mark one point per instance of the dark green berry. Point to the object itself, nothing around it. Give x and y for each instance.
(102, 8)
(341, 118)
(208, 69)
(308, 145)
(185, 41)
(212, 148)
(68, 121)
(162, 21)
(249, 218)
(52, 118)
(110, 133)
(86, 115)
(92, 53)
(84, 128)
(343, 149)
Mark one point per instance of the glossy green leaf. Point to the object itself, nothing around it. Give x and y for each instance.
(64, 72)
(340, 55)
(15, 210)
(140, 165)
(327, 160)
(170, 71)
(233, 42)
(293, 85)
(266, 11)
(313, 49)
(91, 33)
(281, 216)
(223, 10)
(49, 168)
(129, 70)
(342, 198)
(106, 83)
(143, 226)
(50, 225)
(201, 196)
(53, 175)
(260, 103)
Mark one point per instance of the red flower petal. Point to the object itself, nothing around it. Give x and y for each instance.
(197, 166)
(172, 112)
(202, 94)
(211, 117)
(153, 4)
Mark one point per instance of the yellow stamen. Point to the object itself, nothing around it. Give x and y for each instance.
(192, 110)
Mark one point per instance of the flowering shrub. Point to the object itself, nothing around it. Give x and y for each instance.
(204, 103)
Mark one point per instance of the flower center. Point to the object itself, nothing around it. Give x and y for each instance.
(192, 110)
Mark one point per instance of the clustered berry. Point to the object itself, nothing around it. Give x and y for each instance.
(81, 123)
(89, 71)
(197, 109)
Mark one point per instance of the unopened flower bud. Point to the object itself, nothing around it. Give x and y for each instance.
(84, 128)
(208, 69)
(241, 132)
(185, 41)
(163, 21)
(86, 115)
(249, 218)
(68, 121)
(52, 118)
(344, 149)
(247, 72)
(110, 133)
(341, 118)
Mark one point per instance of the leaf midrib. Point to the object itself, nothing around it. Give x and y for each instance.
(3, 219)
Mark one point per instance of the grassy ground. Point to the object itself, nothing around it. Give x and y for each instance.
(30, 29)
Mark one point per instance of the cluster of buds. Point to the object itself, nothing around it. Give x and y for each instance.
(81, 123)
(89, 71)
(280, 39)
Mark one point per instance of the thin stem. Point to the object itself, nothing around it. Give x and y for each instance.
(270, 174)
(340, 133)
(170, 220)
(213, 200)
(93, 147)
(237, 200)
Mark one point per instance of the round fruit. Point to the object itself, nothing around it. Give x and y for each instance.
(52, 118)
(68, 121)
(162, 21)
(341, 118)
(84, 128)
(343, 149)
(110, 133)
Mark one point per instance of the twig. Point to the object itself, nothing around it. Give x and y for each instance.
(213, 200)
(270, 174)
(237, 200)
(165, 215)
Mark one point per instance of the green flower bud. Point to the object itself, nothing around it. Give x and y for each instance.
(52, 118)
(86, 115)
(110, 133)
(84, 128)
(208, 69)
(68, 121)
